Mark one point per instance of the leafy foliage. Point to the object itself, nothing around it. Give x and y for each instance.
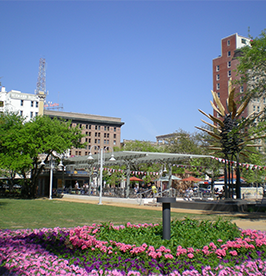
(22, 142)
(252, 66)
(187, 233)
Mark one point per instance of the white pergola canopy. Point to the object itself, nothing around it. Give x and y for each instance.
(130, 157)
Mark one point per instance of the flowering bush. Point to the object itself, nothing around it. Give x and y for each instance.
(108, 250)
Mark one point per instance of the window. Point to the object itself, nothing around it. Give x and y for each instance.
(114, 128)
(31, 114)
(107, 141)
(228, 42)
(217, 68)
(241, 89)
(36, 113)
(31, 104)
(37, 104)
(218, 86)
(95, 141)
(95, 127)
(99, 141)
(86, 139)
(114, 135)
(218, 94)
(89, 140)
(104, 135)
(104, 141)
(258, 108)
(89, 126)
(89, 133)
(86, 126)
(1, 104)
(105, 128)
(95, 134)
(229, 73)
(21, 113)
(229, 64)
(217, 77)
(254, 108)
(21, 102)
(114, 142)
(229, 53)
(99, 134)
(243, 41)
(107, 135)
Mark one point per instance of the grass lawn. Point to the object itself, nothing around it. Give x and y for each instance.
(44, 213)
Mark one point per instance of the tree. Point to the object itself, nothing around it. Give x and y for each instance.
(140, 146)
(12, 160)
(252, 66)
(24, 144)
(184, 142)
(255, 175)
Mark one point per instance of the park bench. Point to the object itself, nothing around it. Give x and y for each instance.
(262, 203)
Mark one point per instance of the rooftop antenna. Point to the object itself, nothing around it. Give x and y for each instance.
(41, 85)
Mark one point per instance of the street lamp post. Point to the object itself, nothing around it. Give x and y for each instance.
(51, 177)
(52, 166)
(101, 162)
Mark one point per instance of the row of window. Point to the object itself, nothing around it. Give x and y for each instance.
(228, 66)
(31, 104)
(243, 41)
(78, 152)
(98, 134)
(31, 113)
(258, 100)
(241, 89)
(105, 128)
(98, 141)
(229, 74)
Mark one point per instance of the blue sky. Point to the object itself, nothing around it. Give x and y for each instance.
(146, 62)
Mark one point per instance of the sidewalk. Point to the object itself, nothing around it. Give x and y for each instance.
(255, 221)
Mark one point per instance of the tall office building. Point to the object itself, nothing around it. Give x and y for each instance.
(99, 131)
(225, 65)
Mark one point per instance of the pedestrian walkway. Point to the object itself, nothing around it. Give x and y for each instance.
(255, 221)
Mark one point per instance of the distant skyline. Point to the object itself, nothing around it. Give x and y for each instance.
(146, 62)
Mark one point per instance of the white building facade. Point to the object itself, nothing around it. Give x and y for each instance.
(23, 104)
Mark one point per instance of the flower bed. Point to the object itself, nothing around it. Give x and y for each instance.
(195, 248)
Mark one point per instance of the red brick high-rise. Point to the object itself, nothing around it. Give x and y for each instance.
(224, 67)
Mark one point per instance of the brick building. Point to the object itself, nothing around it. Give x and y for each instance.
(100, 131)
(224, 66)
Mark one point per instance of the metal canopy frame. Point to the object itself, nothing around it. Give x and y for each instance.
(130, 157)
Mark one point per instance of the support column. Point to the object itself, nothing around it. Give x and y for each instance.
(128, 181)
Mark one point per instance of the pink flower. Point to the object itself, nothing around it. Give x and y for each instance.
(190, 255)
(169, 256)
(233, 253)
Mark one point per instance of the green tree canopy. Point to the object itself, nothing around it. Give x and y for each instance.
(22, 143)
(252, 66)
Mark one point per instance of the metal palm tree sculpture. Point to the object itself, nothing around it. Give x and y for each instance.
(231, 136)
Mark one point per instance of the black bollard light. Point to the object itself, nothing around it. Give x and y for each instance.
(166, 202)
